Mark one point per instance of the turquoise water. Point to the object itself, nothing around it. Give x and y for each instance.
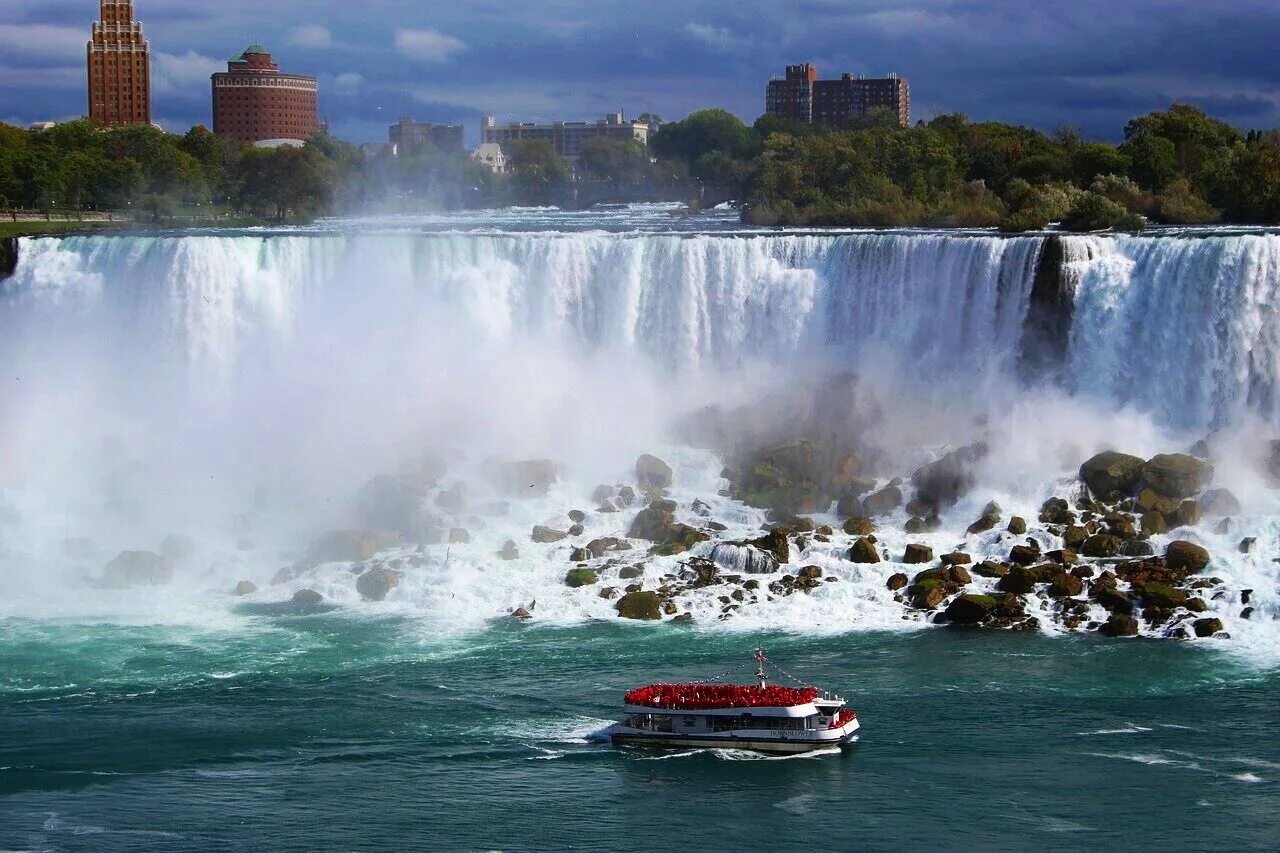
(339, 732)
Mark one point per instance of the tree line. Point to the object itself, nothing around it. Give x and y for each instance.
(1177, 166)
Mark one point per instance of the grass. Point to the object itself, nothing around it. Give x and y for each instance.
(38, 228)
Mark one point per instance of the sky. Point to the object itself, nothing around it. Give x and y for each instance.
(1092, 64)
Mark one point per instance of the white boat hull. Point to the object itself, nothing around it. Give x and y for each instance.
(758, 741)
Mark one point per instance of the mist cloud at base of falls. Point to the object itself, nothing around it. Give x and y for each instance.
(241, 388)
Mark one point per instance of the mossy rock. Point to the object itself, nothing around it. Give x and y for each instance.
(1162, 596)
(1112, 471)
(640, 605)
(970, 609)
(580, 577)
(864, 551)
(1101, 545)
(1207, 627)
(859, 525)
(1113, 600)
(990, 569)
(1120, 625)
(1186, 556)
(1017, 526)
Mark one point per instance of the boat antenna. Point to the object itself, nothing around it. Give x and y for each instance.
(760, 661)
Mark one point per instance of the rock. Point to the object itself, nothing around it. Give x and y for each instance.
(509, 551)
(956, 558)
(1219, 502)
(1186, 556)
(863, 551)
(1187, 514)
(850, 503)
(915, 524)
(940, 484)
(1019, 580)
(928, 594)
(1074, 536)
(349, 546)
(1023, 555)
(990, 569)
(1207, 627)
(1017, 526)
(580, 577)
(1161, 596)
(282, 575)
(775, 542)
(917, 554)
(987, 522)
(859, 526)
(882, 502)
(1066, 586)
(1101, 545)
(601, 494)
(577, 516)
(580, 555)
(629, 572)
(521, 613)
(246, 588)
(1136, 548)
(653, 523)
(459, 536)
(639, 605)
(700, 508)
(652, 473)
(970, 609)
(577, 530)
(785, 477)
(1113, 600)
(680, 538)
(683, 619)
(546, 534)
(1196, 605)
(1120, 625)
(1112, 472)
(307, 597)
(453, 499)
(374, 584)
(137, 568)
(897, 581)
(1148, 501)
(1062, 556)
(1121, 525)
(626, 496)
(1176, 475)
(1056, 511)
(1152, 524)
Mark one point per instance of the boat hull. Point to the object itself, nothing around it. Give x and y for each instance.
(665, 740)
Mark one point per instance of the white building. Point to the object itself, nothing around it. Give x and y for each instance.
(490, 154)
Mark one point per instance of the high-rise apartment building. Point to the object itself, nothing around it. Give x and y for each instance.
(801, 96)
(253, 101)
(407, 134)
(119, 62)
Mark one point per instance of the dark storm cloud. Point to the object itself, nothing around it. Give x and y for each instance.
(1089, 63)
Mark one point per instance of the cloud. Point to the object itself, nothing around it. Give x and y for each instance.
(717, 37)
(43, 41)
(311, 35)
(427, 45)
(348, 84)
(187, 73)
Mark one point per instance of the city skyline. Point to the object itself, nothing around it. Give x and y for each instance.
(566, 59)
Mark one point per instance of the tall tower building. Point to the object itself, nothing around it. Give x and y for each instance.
(119, 67)
(255, 102)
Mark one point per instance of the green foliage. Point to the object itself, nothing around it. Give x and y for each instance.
(622, 161)
(1092, 159)
(1092, 212)
(1122, 191)
(1179, 204)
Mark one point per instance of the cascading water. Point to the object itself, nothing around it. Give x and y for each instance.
(243, 386)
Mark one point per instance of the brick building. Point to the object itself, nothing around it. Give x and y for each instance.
(566, 137)
(253, 101)
(406, 134)
(119, 64)
(801, 96)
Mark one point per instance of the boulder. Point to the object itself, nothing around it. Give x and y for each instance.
(864, 551)
(626, 496)
(1019, 580)
(1112, 472)
(1017, 526)
(639, 605)
(1186, 556)
(374, 584)
(1219, 502)
(859, 525)
(1188, 514)
(453, 499)
(652, 473)
(785, 477)
(1023, 555)
(349, 546)
(775, 542)
(970, 609)
(509, 551)
(1152, 524)
(1074, 536)
(459, 536)
(988, 521)
(917, 554)
(882, 502)
(627, 573)
(943, 482)
(546, 534)
(990, 569)
(1207, 627)
(1101, 545)
(1113, 600)
(246, 588)
(137, 568)
(580, 577)
(1246, 544)
(307, 598)
(1120, 625)
(1176, 475)
(653, 523)
(1161, 596)
(1066, 586)
(956, 558)
(915, 524)
(680, 538)
(601, 494)
(927, 595)
(897, 581)
(521, 613)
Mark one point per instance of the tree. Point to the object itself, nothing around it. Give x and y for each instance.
(622, 161)
(536, 169)
(703, 132)
(1092, 212)
(1153, 161)
(1195, 136)
(1092, 159)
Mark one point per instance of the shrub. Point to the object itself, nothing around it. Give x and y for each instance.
(1092, 212)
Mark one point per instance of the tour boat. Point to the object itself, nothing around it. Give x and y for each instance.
(761, 717)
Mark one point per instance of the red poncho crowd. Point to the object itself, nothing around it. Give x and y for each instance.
(843, 718)
(693, 697)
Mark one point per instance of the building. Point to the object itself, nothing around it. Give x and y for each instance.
(253, 101)
(801, 96)
(407, 134)
(489, 155)
(119, 64)
(567, 137)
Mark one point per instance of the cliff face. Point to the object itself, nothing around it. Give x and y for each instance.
(8, 256)
(1048, 325)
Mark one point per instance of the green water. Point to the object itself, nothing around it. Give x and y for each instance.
(337, 732)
